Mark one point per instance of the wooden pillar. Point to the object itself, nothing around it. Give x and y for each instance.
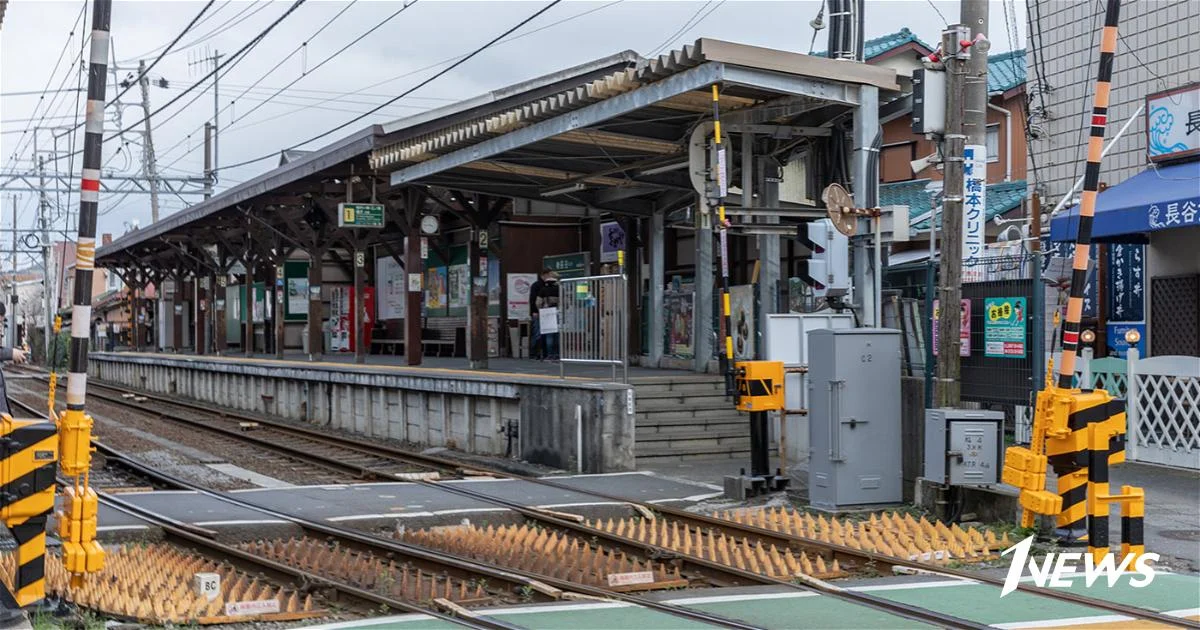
(477, 355)
(135, 310)
(316, 339)
(200, 311)
(414, 274)
(359, 318)
(248, 309)
(220, 336)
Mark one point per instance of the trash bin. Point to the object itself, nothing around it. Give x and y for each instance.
(304, 339)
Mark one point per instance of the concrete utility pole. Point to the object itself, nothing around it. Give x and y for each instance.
(949, 322)
(209, 178)
(975, 15)
(12, 301)
(149, 165)
(43, 220)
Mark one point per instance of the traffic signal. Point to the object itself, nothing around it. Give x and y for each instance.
(829, 266)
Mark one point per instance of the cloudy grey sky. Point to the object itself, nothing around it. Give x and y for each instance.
(409, 48)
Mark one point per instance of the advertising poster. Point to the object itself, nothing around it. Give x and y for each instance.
(435, 288)
(679, 323)
(1004, 321)
(459, 287)
(518, 295)
(389, 277)
(612, 240)
(493, 285)
(297, 295)
(741, 312)
(964, 334)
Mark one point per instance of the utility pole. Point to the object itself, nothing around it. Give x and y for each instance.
(949, 322)
(209, 178)
(974, 14)
(12, 301)
(215, 58)
(149, 165)
(48, 316)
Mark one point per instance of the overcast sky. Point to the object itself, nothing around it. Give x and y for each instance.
(412, 46)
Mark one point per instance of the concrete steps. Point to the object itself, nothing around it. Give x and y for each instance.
(687, 417)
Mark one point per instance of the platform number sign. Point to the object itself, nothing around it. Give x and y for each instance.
(360, 215)
(360, 259)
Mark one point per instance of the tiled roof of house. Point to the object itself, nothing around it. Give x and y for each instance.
(1006, 71)
(879, 45)
(1001, 197)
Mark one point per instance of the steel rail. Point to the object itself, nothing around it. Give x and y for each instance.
(550, 587)
(845, 555)
(199, 537)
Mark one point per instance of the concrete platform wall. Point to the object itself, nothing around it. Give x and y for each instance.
(428, 407)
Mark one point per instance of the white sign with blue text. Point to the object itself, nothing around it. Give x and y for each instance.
(974, 211)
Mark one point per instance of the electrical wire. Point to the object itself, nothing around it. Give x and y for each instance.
(945, 22)
(228, 24)
(49, 80)
(679, 31)
(416, 87)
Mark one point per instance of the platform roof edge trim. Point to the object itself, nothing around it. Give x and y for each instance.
(332, 154)
(627, 57)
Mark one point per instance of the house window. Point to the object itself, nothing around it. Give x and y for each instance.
(112, 281)
(993, 143)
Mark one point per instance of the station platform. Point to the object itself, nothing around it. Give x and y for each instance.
(378, 505)
(774, 608)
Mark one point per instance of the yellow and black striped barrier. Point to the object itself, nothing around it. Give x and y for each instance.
(28, 456)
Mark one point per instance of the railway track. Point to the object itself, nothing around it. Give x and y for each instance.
(505, 586)
(715, 573)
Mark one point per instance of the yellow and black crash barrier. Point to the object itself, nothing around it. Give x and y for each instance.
(1079, 434)
(28, 456)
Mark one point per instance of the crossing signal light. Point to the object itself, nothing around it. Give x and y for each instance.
(829, 266)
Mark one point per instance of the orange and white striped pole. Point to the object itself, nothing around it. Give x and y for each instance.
(1087, 206)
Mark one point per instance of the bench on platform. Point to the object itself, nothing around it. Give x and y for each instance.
(387, 346)
(444, 336)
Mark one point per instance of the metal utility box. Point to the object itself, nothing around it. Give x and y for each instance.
(759, 385)
(854, 417)
(962, 446)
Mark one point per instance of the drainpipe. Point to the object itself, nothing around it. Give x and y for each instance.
(1008, 161)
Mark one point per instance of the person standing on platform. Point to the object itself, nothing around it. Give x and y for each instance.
(537, 346)
(547, 302)
(17, 356)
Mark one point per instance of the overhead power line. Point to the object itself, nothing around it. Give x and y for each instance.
(416, 87)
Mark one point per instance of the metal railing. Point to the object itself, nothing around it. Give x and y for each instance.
(593, 323)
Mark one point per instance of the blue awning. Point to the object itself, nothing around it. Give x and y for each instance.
(1159, 198)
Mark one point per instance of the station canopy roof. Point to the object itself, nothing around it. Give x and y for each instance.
(611, 135)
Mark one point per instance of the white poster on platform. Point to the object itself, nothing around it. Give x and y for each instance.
(391, 298)
(518, 294)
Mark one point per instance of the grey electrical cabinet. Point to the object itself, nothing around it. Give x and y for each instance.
(962, 446)
(854, 417)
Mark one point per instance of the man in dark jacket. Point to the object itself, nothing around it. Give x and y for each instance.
(16, 355)
(536, 348)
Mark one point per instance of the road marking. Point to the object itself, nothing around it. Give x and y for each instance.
(237, 472)
(363, 517)
(721, 599)
(533, 610)
(912, 585)
(117, 528)
(242, 522)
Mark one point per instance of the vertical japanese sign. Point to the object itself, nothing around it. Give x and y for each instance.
(1126, 284)
(974, 211)
(1004, 323)
(964, 333)
(612, 240)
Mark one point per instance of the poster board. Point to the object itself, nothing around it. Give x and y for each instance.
(458, 286)
(1004, 323)
(390, 280)
(519, 285)
(435, 288)
(295, 274)
(964, 334)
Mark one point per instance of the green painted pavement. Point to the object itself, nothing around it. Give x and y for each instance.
(1168, 591)
(596, 617)
(808, 611)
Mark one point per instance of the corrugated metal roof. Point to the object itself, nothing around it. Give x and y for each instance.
(429, 145)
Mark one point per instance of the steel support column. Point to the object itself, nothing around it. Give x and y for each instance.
(768, 254)
(702, 310)
(865, 171)
(658, 274)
